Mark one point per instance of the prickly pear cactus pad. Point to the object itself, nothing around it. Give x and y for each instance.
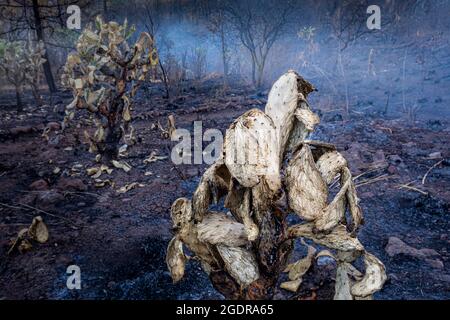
(269, 170)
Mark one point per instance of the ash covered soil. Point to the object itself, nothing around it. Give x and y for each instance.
(119, 240)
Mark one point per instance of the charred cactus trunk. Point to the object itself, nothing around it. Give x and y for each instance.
(37, 95)
(113, 134)
(110, 147)
(272, 251)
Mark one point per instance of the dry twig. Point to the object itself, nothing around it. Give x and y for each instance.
(429, 170)
(407, 186)
(376, 179)
(23, 206)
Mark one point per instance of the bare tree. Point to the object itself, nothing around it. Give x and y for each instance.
(152, 25)
(347, 26)
(259, 25)
(219, 25)
(198, 63)
(40, 36)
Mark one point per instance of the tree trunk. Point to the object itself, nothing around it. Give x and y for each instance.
(224, 56)
(40, 36)
(19, 103)
(61, 12)
(344, 79)
(165, 79)
(254, 71)
(105, 8)
(260, 75)
(36, 94)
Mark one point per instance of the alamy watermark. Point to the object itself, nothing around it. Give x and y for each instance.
(74, 20)
(247, 146)
(374, 20)
(190, 147)
(74, 278)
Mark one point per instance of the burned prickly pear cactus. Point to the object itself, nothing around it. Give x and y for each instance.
(246, 249)
(21, 63)
(104, 75)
